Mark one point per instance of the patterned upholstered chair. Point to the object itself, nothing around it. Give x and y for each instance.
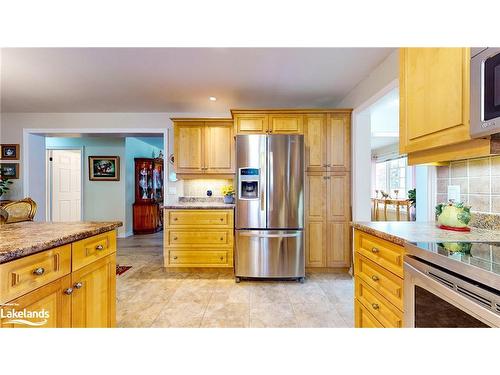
(22, 210)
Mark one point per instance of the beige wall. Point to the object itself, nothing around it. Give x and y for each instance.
(479, 181)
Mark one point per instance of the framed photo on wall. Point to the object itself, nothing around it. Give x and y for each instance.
(9, 152)
(9, 170)
(104, 168)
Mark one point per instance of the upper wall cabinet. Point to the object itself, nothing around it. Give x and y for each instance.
(327, 139)
(434, 97)
(272, 122)
(203, 147)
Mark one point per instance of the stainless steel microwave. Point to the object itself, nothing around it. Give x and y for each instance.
(485, 92)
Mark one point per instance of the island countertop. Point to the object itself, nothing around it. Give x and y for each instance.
(400, 232)
(21, 239)
(198, 203)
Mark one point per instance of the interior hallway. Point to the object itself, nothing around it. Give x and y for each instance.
(150, 296)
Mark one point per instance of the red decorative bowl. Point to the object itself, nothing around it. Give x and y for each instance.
(456, 229)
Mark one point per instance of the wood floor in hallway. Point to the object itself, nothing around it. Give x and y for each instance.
(148, 295)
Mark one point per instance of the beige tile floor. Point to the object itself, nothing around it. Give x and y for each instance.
(149, 295)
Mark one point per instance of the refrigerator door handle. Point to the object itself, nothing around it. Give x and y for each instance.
(271, 235)
(262, 181)
(271, 182)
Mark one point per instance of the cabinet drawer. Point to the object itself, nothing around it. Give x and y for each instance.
(364, 318)
(200, 258)
(26, 274)
(382, 252)
(388, 315)
(199, 218)
(386, 283)
(93, 248)
(199, 238)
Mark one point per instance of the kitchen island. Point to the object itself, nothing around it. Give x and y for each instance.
(63, 274)
(378, 265)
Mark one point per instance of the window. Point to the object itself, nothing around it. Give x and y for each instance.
(392, 175)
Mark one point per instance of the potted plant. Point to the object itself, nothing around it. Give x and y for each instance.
(4, 185)
(228, 193)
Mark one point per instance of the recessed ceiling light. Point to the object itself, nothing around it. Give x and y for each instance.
(212, 98)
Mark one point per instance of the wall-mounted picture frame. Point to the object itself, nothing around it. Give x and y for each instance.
(9, 151)
(9, 170)
(104, 168)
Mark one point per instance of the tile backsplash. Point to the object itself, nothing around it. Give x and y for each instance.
(479, 181)
(199, 187)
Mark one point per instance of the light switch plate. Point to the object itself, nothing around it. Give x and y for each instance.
(454, 193)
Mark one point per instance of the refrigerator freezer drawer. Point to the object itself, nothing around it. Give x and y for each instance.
(269, 254)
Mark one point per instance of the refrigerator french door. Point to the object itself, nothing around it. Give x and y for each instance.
(270, 206)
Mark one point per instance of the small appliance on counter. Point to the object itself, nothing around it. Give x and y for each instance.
(452, 285)
(270, 207)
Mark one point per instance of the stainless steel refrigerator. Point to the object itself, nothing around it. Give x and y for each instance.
(270, 207)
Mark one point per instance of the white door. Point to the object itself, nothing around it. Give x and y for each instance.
(66, 168)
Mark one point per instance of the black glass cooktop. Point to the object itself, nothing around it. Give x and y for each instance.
(484, 255)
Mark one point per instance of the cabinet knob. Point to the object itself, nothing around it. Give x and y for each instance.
(175, 219)
(221, 219)
(78, 285)
(222, 238)
(375, 306)
(39, 271)
(221, 258)
(375, 250)
(375, 278)
(175, 256)
(99, 247)
(68, 291)
(175, 238)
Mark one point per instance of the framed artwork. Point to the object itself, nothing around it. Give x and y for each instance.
(104, 168)
(9, 152)
(9, 170)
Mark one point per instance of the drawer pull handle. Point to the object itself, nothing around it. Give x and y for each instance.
(175, 219)
(99, 247)
(221, 219)
(175, 256)
(68, 291)
(39, 271)
(375, 306)
(78, 285)
(221, 258)
(375, 278)
(375, 250)
(175, 238)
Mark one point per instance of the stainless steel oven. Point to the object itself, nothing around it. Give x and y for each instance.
(485, 92)
(440, 293)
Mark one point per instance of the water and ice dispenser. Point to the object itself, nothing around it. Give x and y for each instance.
(249, 179)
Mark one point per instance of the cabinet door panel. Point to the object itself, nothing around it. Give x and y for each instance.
(339, 197)
(50, 298)
(286, 124)
(339, 141)
(315, 139)
(339, 245)
(94, 302)
(434, 97)
(316, 238)
(251, 123)
(219, 149)
(188, 147)
(315, 244)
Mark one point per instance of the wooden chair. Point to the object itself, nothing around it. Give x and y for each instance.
(398, 203)
(18, 211)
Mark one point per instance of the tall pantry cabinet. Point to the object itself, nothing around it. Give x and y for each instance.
(328, 208)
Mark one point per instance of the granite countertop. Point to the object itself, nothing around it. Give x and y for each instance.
(195, 203)
(400, 232)
(21, 239)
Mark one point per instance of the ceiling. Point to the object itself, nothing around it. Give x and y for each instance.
(180, 79)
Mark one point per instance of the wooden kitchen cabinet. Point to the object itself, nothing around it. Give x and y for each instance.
(315, 142)
(270, 121)
(93, 302)
(338, 202)
(51, 298)
(315, 231)
(251, 123)
(204, 147)
(434, 97)
(339, 141)
(83, 295)
(286, 124)
(198, 238)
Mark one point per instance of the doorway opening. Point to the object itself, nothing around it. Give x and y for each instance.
(64, 190)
